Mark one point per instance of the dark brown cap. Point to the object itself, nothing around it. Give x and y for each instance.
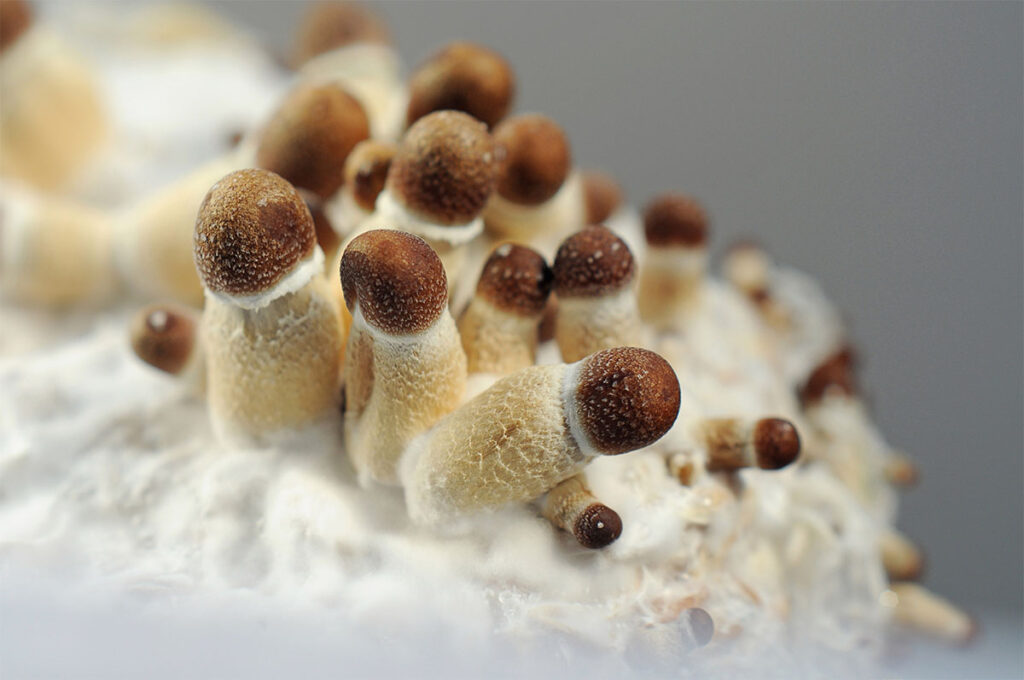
(597, 526)
(536, 158)
(445, 168)
(15, 19)
(330, 25)
(702, 626)
(164, 336)
(834, 375)
(602, 196)
(310, 136)
(464, 77)
(675, 220)
(397, 279)
(326, 237)
(253, 229)
(776, 443)
(366, 170)
(627, 398)
(591, 263)
(516, 279)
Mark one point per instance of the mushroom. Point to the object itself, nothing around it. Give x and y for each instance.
(366, 170)
(405, 367)
(596, 305)
(676, 230)
(536, 428)
(270, 327)
(749, 268)
(167, 338)
(922, 610)
(735, 443)
(499, 328)
(328, 26)
(572, 506)
(902, 560)
(602, 196)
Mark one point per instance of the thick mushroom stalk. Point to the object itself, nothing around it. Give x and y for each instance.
(571, 506)
(596, 302)
(536, 428)
(925, 612)
(270, 327)
(499, 328)
(672, 275)
(405, 366)
(735, 443)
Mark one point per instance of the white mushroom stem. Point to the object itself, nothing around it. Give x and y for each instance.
(923, 611)
(541, 226)
(671, 279)
(572, 507)
(585, 325)
(901, 558)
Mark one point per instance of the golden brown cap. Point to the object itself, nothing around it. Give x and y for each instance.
(602, 196)
(516, 279)
(627, 398)
(776, 443)
(366, 170)
(445, 168)
(253, 229)
(164, 336)
(462, 77)
(397, 279)
(15, 19)
(675, 220)
(536, 158)
(597, 526)
(833, 375)
(329, 25)
(310, 136)
(591, 263)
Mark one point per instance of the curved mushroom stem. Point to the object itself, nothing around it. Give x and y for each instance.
(572, 507)
(902, 560)
(734, 443)
(923, 611)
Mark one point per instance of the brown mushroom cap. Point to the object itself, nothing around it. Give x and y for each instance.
(516, 279)
(591, 263)
(310, 136)
(15, 19)
(675, 220)
(366, 170)
(536, 158)
(397, 279)
(163, 336)
(462, 77)
(253, 229)
(626, 398)
(833, 375)
(776, 443)
(445, 168)
(326, 237)
(602, 196)
(597, 526)
(329, 25)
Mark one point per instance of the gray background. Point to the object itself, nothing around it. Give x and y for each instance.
(876, 146)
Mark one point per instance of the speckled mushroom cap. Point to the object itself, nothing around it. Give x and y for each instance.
(598, 526)
(444, 171)
(366, 170)
(602, 196)
(516, 279)
(163, 336)
(592, 262)
(15, 19)
(675, 220)
(776, 443)
(329, 25)
(397, 279)
(311, 135)
(626, 398)
(252, 231)
(535, 158)
(465, 77)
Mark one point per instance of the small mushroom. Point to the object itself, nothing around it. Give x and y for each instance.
(736, 443)
(923, 611)
(572, 507)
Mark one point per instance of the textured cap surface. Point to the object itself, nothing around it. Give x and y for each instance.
(602, 196)
(536, 158)
(445, 168)
(329, 25)
(675, 220)
(252, 229)
(397, 279)
(776, 443)
(591, 263)
(627, 398)
(462, 77)
(310, 136)
(516, 279)
(597, 526)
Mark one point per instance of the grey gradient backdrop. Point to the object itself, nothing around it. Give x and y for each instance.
(877, 146)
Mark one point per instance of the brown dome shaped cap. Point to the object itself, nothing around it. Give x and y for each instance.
(597, 526)
(675, 220)
(444, 170)
(516, 279)
(464, 77)
(253, 229)
(602, 196)
(836, 374)
(366, 170)
(776, 443)
(591, 263)
(164, 336)
(309, 137)
(15, 18)
(397, 279)
(536, 158)
(627, 398)
(329, 25)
